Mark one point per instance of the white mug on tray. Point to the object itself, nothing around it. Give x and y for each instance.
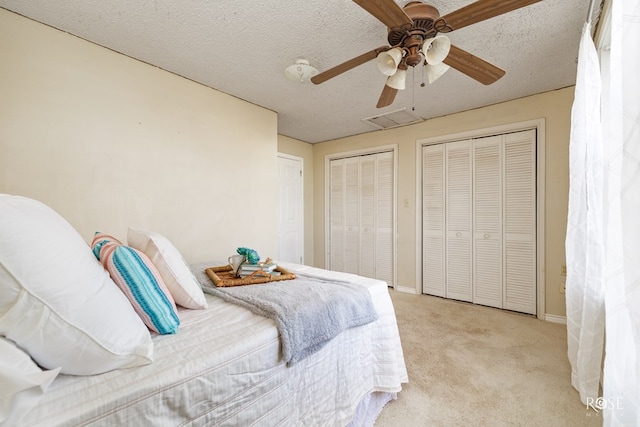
(235, 261)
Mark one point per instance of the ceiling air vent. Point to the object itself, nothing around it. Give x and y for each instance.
(393, 119)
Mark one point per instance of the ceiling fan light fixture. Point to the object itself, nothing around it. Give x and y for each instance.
(407, 27)
(388, 61)
(436, 49)
(300, 71)
(435, 71)
(397, 80)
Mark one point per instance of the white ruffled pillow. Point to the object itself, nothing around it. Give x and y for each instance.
(173, 269)
(57, 302)
(22, 382)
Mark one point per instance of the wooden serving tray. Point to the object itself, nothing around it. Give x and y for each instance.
(224, 276)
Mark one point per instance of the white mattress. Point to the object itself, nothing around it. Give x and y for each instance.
(223, 367)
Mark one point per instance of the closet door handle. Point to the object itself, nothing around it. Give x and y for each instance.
(486, 236)
(458, 234)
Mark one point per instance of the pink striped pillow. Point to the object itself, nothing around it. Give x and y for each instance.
(140, 281)
(100, 239)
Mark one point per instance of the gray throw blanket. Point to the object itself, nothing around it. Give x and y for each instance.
(309, 311)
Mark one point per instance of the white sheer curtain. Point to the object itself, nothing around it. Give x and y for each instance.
(621, 125)
(603, 228)
(584, 241)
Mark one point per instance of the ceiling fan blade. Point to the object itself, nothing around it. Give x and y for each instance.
(387, 12)
(473, 66)
(480, 11)
(387, 96)
(346, 66)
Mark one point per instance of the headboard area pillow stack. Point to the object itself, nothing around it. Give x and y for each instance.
(57, 302)
(79, 309)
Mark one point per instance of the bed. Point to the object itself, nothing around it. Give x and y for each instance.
(224, 367)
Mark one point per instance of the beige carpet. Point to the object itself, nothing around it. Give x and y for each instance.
(478, 366)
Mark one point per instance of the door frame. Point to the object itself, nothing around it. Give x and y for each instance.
(300, 160)
(327, 197)
(539, 126)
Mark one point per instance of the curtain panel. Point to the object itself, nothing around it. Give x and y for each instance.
(603, 227)
(620, 63)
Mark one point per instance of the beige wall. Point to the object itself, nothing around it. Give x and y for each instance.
(554, 107)
(110, 142)
(304, 150)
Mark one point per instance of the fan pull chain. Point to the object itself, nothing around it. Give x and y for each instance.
(413, 88)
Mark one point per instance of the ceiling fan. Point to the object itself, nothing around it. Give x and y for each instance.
(413, 40)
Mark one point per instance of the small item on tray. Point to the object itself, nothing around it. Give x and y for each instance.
(267, 266)
(250, 254)
(235, 261)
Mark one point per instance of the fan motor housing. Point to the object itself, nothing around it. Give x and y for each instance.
(423, 16)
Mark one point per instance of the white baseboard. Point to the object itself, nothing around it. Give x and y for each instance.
(406, 289)
(547, 317)
(555, 319)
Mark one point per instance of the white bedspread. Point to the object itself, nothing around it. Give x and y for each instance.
(224, 367)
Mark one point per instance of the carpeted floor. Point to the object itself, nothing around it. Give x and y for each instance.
(478, 366)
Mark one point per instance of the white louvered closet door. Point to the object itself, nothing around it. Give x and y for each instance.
(520, 222)
(479, 221)
(362, 216)
(458, 220)
(367, 230)
(384, 218)
(351, 214)
(433, 220)
(336, 214)
(487, 221)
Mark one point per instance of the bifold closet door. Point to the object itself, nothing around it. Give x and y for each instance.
(458, 220)
(520, 222)
(487, 221)
(376, 216)
(362, 216)
(384, 218)
(344, 248)
(479, 221)
(446, 220)
(367, 220)
(336, 214)
(351, 216)
(433, 220)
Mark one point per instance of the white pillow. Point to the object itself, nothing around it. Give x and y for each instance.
(57, 302)
(173, 269)
(22, 382)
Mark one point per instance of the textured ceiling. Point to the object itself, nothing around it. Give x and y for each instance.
(242, 48)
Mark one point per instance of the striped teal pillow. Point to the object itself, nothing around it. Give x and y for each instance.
(100, 239)
(140, 281)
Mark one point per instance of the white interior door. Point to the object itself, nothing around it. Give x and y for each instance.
(290, 209)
